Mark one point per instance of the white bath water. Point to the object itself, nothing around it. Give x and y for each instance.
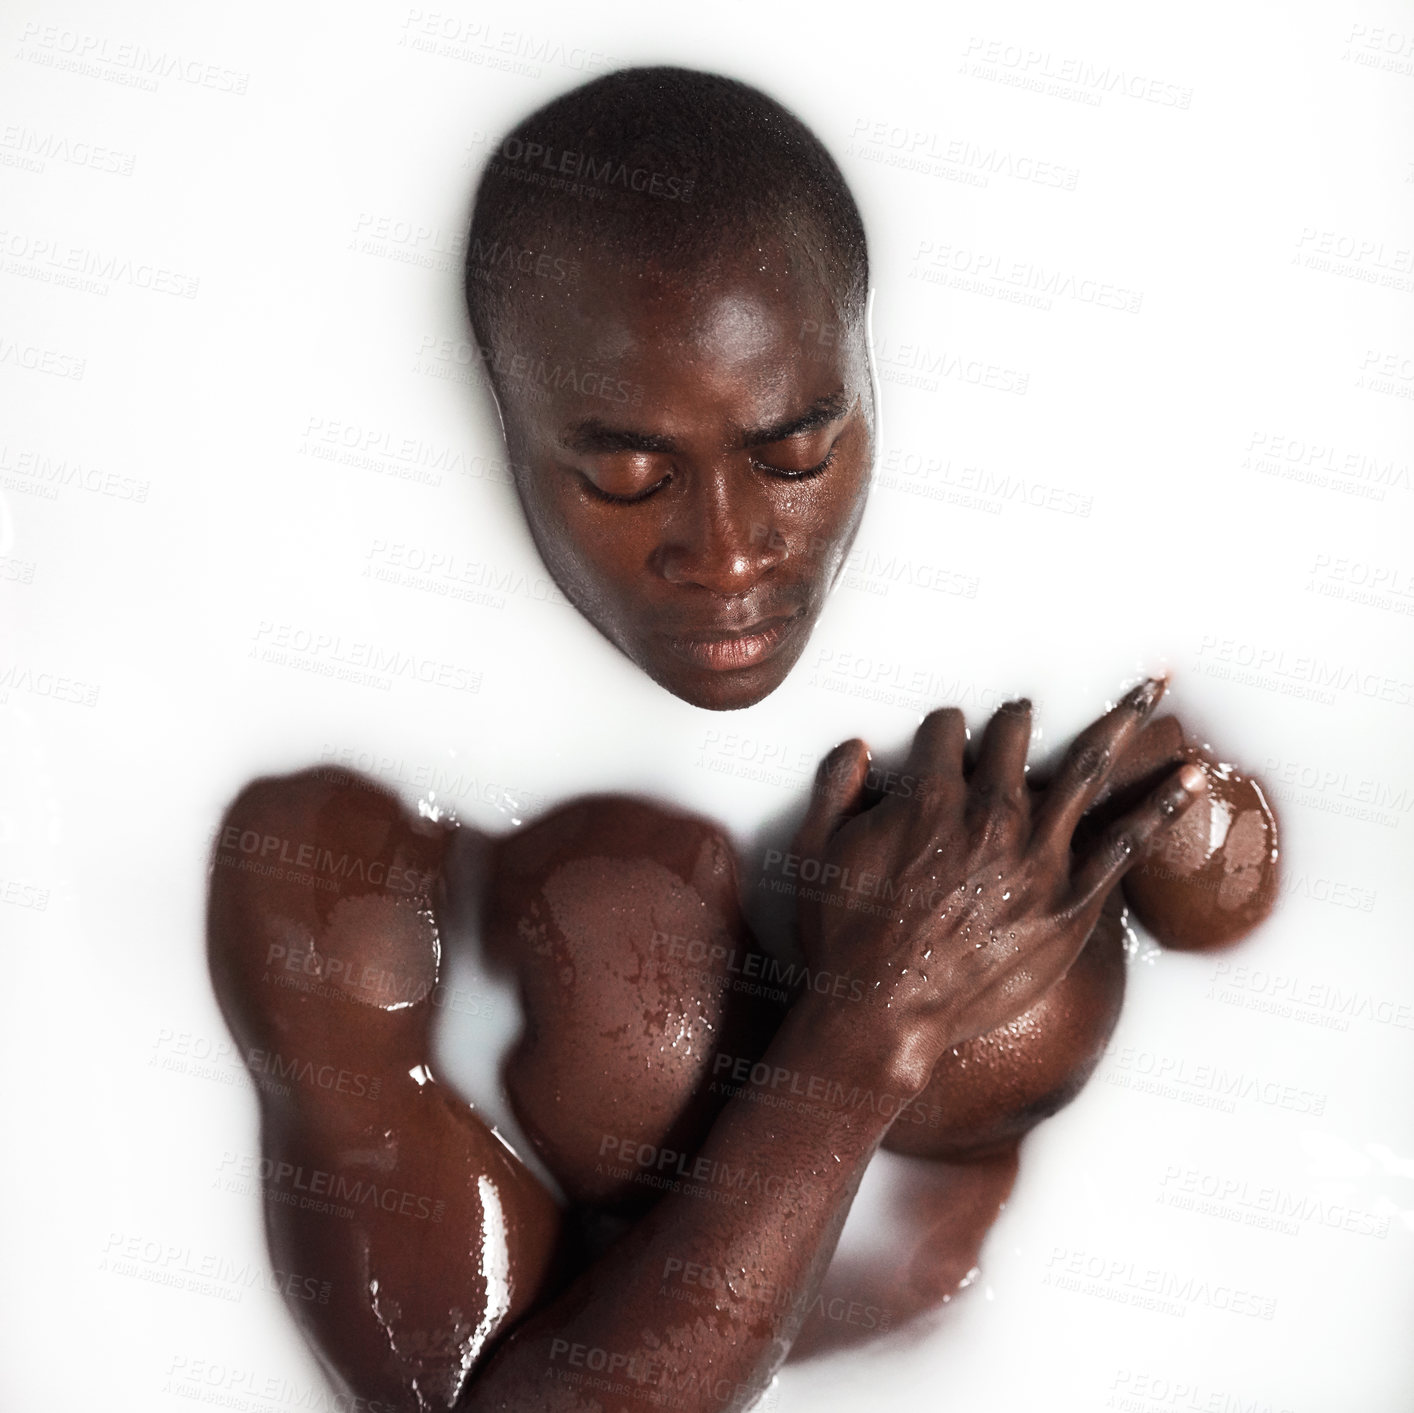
(1143, 328)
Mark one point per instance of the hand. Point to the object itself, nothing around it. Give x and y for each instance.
(957, 901)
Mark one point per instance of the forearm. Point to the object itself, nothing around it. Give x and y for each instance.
(698, 1305)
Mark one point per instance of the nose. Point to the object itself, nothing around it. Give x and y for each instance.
(723, 536)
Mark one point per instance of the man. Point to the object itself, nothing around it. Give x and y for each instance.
(667, 276)
(653, 259)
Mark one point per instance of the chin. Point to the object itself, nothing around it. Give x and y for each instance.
(723, 691)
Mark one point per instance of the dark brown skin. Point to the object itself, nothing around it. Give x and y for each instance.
(1212, 879)
(593, 902)
(998, 909)
(596, 907)
(328, 992)
(985, 1095)
(622, 922)
(1215, 878)
(990, 1092)
(695, 488)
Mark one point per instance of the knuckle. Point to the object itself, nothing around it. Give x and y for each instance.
(996, 804)
(930, 787)
(1119, 848)
(1091, 763)
(1171, 803)
(1013, 800)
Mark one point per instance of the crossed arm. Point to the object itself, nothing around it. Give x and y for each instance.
(484, 1308)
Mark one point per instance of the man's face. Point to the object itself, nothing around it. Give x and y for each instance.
(693, 459)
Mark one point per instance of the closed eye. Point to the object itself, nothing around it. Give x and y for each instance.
(784, 473)
(792, 475)
(600, 494)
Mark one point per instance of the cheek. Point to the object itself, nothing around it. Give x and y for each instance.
(597, 565)
(829, 523)
(559, 536)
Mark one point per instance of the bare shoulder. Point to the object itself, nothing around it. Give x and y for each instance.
(321, 913)
(621, 920)
(285, 818)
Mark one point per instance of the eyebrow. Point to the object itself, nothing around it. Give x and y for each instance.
(593, 437)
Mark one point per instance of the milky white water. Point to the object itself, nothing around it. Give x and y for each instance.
(1144, 329)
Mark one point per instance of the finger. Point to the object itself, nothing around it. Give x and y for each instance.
(1125, 842)
(935, 761)
(997, 802)
(1001, 758)
(1157, 749)
(838, 795)
(1088, 764)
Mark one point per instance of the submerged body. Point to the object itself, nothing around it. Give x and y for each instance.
(706, 1132)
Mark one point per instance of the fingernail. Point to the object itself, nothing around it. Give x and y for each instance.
(1193, 779)
(840, 762)
(1186, 789)
(1144, 697)
(1016, 707)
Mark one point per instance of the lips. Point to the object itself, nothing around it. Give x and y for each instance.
(716, 650)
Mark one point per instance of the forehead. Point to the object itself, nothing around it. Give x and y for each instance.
(749, 332)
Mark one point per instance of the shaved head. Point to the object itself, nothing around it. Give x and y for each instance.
(667, 171)
(667, 278)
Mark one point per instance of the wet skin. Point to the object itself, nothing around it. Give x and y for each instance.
(492, 1306)
(692, 457)
(429, 1233)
